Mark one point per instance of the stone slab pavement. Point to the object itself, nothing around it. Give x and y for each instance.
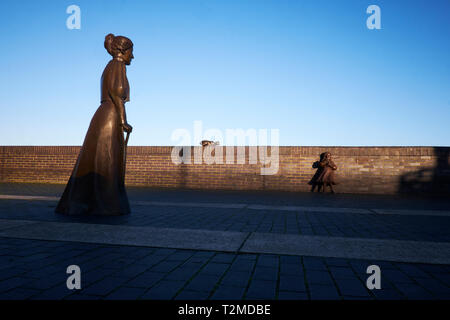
(225, 245)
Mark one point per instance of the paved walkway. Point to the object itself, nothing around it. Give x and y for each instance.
(225, 245)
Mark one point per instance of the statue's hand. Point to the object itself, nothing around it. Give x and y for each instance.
(127, 128)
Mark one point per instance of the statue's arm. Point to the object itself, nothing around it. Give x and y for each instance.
(333, 165)
(323, 163)
(118, 98)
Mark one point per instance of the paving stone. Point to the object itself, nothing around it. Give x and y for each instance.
(292, 283)
(246, 256)
(323, 292)
(261, 289)
(295, 260)
(265, 273)
(396, 276)
(215, 268)
(224, 292)
(126, 293)
(292, 295)
(360, 266)
(180, 255)
(443, 277)
(336, 262)
(203, 283)
(182, 273)
(121, 263)
(88, 278)
(130, 271)
(164, 252)
(433, 285)
(267, 261)
(223, 258)
(236, 278)
(146, 279)
(138, 252)
(413, 291)
(67, 255)
(342, 272)
(432, 268)
(357, 298)
(192, 295)
(289, 268)
(79, 296)
(92, 264)
(12, 283)
(150, 260)
(18, 294)
(164, 290)
(412, 270)
(34, 257)
(11, 273)
(352, 287)
(104, 286)
(165, 266)
(319, 277)
(242, 265)
(384, 265)
(55, 293)
(312, 263)
(47, 282)
(193, 264)
(201, 256)
(387, 294)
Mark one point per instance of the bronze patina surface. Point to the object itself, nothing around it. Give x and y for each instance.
(97, 183)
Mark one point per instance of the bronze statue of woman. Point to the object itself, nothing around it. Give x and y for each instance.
(97, 183)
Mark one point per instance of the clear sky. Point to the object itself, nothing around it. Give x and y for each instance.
(311, 69)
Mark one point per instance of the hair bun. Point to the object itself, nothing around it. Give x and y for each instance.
(108, 43)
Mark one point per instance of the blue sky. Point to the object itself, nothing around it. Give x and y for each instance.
(311, 69)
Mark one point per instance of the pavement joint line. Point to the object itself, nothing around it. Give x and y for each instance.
(234, 242)
(419, 212)
(243, 242)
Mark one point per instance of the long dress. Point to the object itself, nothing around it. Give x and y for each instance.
(97, 183)
(326, 176)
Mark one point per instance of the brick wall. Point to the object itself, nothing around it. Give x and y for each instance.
(382, 170)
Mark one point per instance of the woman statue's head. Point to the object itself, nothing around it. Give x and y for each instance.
(119, 47)
(325, 156)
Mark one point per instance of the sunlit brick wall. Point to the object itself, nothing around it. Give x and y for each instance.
(381, 170)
